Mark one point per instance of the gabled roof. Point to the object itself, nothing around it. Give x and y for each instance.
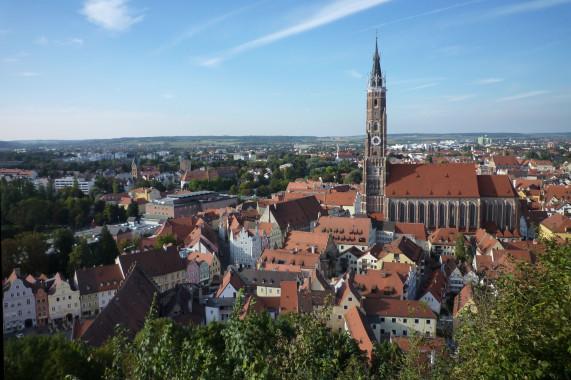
(304, 259)
(386, 307)
(415, 229)
(444, 236)
(557, 223)
(379, 284)
(462, 298)
(505, 161)
(230, 278)
(436, 285)
(306, 240)
(346, 230)
(98, 279)
(296, 212)
(199, 256)
(432, 181)
(129, 308)
(360, 330)
(404, 246)
(156, 262)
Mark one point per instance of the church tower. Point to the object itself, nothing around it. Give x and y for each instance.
(374, 165)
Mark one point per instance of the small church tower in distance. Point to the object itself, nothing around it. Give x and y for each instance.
(374, 165)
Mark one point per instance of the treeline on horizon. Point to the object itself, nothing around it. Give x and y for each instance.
(521, 330)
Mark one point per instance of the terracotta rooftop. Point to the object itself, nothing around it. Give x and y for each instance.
(404, 246)
(157, 262)
(444, 236)
(462, 298)
(129, 308)
(289, 297)
(386, 307)
(436, 285)
(306, 240)
(417, 230)
(380, 284)
(505, 161)
(304, 259)
(432, 181)
(345, 230)
(557, 223)
(495, 186)
(360, 330)
(297, 212)
(98, 279)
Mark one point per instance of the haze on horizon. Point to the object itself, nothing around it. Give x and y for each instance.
(125, 68)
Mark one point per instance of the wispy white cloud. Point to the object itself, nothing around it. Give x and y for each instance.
(203, 26)
(327, 14)
(42, 41)
(10, 59)
(111, 14)
(167, 96)
(422, 86)
(434, 11)
(527, 7)
(523, 95)
(354, 74)
(30, 74)
(488, 81)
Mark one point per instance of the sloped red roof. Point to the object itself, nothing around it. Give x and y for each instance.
(505, 161)
(289, 297)
(436, 285)
(495, 186)
(432, 180)
(387, 307)
(360, 330)
(415, 229)
(557, 223)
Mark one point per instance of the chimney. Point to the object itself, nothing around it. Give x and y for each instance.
(312, 249)
(361, 302)
(383, 274)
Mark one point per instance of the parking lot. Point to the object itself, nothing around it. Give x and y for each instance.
(39, 331)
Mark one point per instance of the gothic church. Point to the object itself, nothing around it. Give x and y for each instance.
(436, 195)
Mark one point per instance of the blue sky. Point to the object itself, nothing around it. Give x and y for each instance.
(118, 68)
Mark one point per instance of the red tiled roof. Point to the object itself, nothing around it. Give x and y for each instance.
(415, 229)
(404, 246)
(432, 180)
(462, 298)
(495, 186)
(98, 279)
(230, 278)
(505, 161)
(345, 230)
(360, 330)
(289, 297)
(436, 285)
(387, 307)
(156, 262)
(379, 284)
(305, 240)
(557, 223)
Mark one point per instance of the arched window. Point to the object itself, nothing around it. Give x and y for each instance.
(441, 215)
(472, 215)
(431, 215)
(421, 213)
(401, 212)
(490, 214)
(500, 219)
(451, 215)
(462, 215)
(509, 216)
(411, 212)
(392, 212)
(375, 126)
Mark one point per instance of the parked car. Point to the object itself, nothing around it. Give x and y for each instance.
(20, 335)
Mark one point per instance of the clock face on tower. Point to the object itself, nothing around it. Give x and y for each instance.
(376, 140)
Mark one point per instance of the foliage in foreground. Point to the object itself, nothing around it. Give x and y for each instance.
(521, 330)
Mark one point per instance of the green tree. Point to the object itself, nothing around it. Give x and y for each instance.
(64, 241)
(33, 249)
(167, 239)
(80, 257)
(133, 209)
(355, 176)
(106, 250)
(459, 250)
(10, 256)
(429, 158)
(52, 357)
(521, 327)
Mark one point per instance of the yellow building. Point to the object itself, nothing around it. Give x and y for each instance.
(63, 301)
(556, 225)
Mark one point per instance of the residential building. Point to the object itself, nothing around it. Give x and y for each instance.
(212, 261)
(348, 232)
(97, 286)
(83, 185)
(63, 301)
(19, 303)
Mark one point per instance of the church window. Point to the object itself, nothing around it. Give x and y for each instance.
(392, 212)
(441, 215)
(421, 213)
(431, 215)
(509, 215)
(401, 212)
(451, 215)
(375, 126)
(472, 215)
(411, 213)
(462, 215)
(375, 103)
(490, 214)
(500, 222)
